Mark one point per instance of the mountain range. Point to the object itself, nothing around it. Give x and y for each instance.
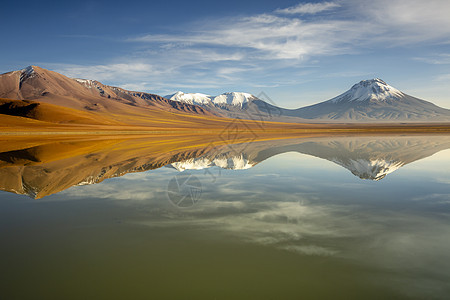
(35, 83)
(39, 100)
(368, 101)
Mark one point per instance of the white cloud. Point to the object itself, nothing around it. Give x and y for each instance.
(107, 72)
(141, 86)
(271, 37)
(308, 8)
(267, 49)
(443, 77)
(267, 37)
(439, 59)
(404, 21)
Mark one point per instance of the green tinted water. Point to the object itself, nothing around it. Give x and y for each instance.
(293, 226)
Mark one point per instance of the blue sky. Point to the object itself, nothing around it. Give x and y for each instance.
(297, 52)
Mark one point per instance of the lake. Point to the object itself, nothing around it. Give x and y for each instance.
(317, 217)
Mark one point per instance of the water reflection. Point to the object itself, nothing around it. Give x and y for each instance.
(54, 166)
(266, 220)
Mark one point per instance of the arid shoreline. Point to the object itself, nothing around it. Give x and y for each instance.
(238, 128)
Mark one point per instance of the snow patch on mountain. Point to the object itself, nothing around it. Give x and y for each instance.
(190, 98)
(28, 72)
(375, 169)
(231, 163)
(369, 90)
(231, 98)
(86, 82)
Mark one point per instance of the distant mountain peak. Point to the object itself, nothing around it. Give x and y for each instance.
(374, 100)
(369, 90)
(229, 98)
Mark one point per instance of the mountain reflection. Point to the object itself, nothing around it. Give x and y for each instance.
(39, 169)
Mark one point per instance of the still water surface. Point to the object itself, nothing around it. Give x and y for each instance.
(319, 218)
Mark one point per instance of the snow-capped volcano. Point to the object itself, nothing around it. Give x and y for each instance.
(373, 101)
(238, 99)
(369, 90)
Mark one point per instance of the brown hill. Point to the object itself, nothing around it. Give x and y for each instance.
(51, 113)
(35, 83)
(33, 117)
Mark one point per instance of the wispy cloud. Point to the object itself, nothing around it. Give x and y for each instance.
(250, 50)
(438, 59)
(109, 71)
(443, 77)
(404, 21)
(290, 37)
(268, 37)
(308, 8)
